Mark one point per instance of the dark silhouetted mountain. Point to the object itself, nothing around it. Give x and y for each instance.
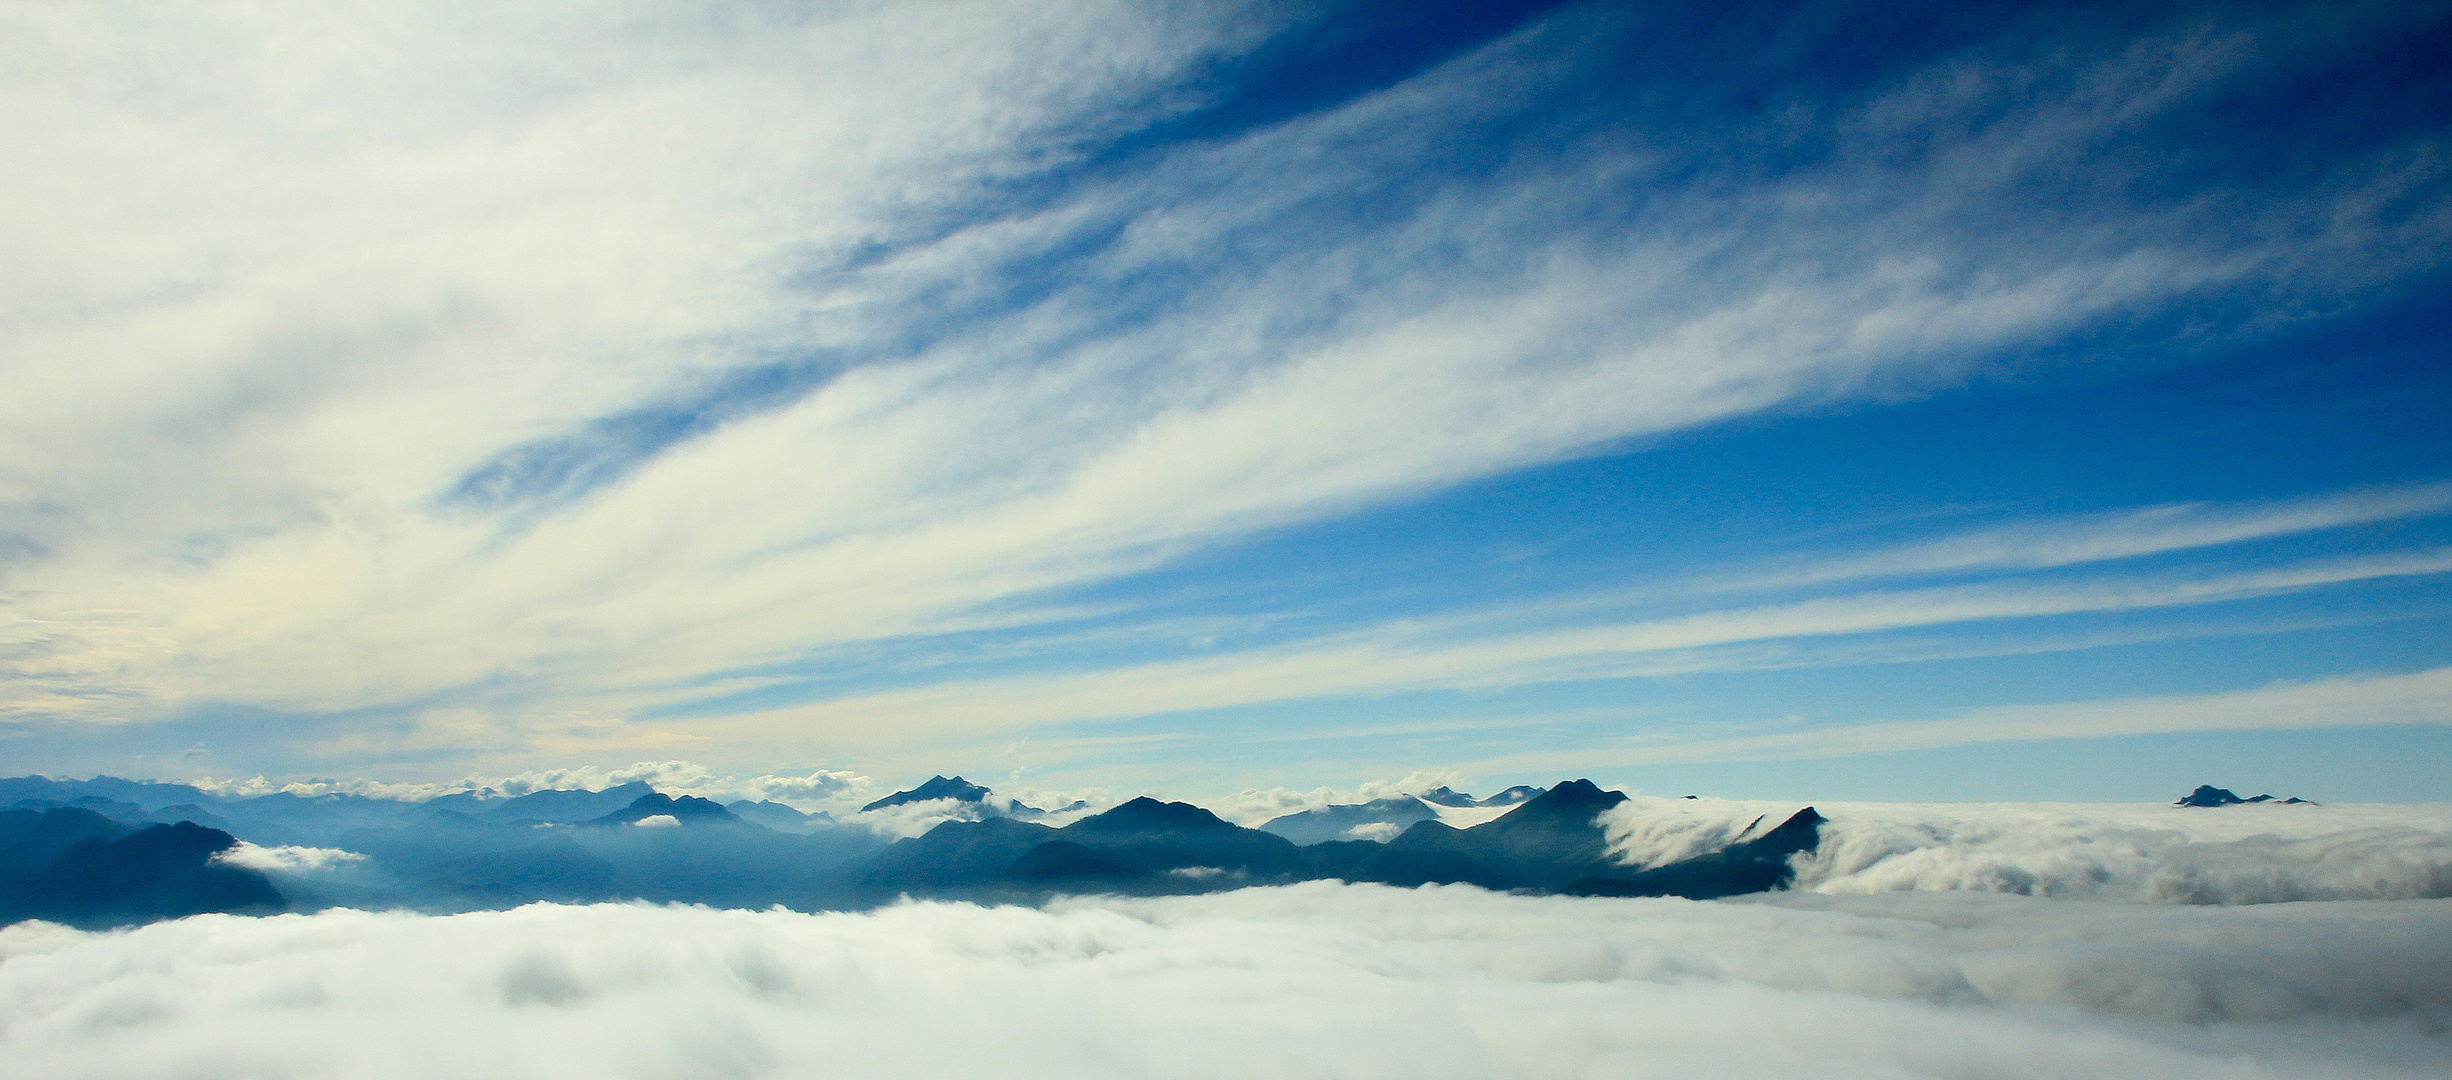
(688, 810)
(956, 856)
(2209, 795)
(1546, 842)
(1065, 864)
(1751, 866)
(1155, 837)
(160, 872)
(568, 806)
(1032, 813)
(1511, 796)
(32, 839)
(937, 787)
(1445, 796)
(777, 816)
(1338, 822)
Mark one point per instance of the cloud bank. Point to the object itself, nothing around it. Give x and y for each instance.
(517, 385)
(1311, 980)
(2262, 854)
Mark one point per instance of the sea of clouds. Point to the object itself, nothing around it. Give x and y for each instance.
(1314, 980)
(2250, 854)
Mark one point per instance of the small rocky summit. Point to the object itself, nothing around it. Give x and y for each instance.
(937, 787)
(2209, 795)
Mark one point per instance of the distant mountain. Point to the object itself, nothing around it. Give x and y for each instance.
(568, 806)
(148, 794)
(688, 810)
(160, 872)
(1757, 865)
(2209, 795)
(937, 787)
(1543, 843)
(1339, 822)
(957, 857)
(32, 839)
(1155, 837)
(777, 816)
(81, 865)
(1446, 796)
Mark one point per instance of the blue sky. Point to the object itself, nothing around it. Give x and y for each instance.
(1806, 400)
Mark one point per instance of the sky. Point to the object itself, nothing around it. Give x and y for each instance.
(1825, 400)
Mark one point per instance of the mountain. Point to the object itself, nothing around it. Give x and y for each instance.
(32, 839)
(1340, 822)
(1751, 866)
(1511, 796)
(956, 856)
(1154, 836)
(777, 816)
(1545, 842)
(569, 806)
(937, 787)
(161, 872)
(688, 810)
(1446, 796)
(2209, 795)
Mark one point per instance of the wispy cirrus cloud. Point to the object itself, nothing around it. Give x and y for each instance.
(719, 339)
(1413, 656)
(2423, 697)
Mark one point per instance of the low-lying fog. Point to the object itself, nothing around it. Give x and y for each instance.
(1312, 980)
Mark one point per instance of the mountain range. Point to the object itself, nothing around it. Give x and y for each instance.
(95, 852)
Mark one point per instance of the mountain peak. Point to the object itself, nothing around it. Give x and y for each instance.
(937, 787)
(1146, 814)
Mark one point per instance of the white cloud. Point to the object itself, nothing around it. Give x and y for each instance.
(1422, 654)
(2250, 854)
(818, 786)
(287, 859)
(658, 821)
(2423, 697)
(290, 277)
(1321, 979)
(2121, 534)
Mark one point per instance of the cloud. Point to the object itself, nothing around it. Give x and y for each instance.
(1319, 979)
(2123, 534)
(530, 356)
(670, 777)
(1483, 651)
(2262, 854)
(287, 859)
(2423, 697)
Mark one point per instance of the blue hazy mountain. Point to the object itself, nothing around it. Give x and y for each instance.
(937, 787)
(1750, 866)
(77, 863)
(110, 876)
(688, 810)
(2209, 795)
(776, 816)
(1339, 822)
(568, 806)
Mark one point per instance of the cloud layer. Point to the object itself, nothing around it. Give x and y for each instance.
(1312, 980)
(2257, 854)
(495, 386)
